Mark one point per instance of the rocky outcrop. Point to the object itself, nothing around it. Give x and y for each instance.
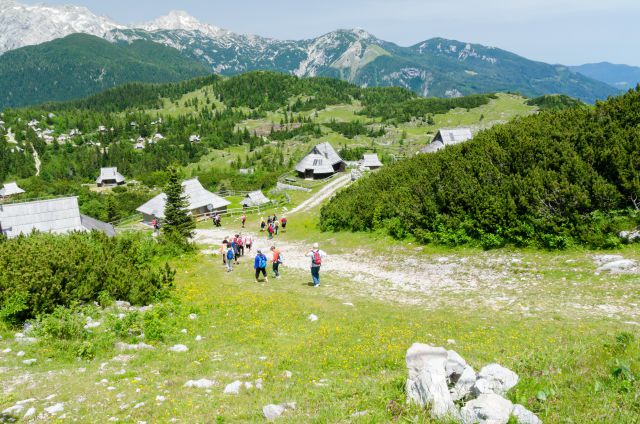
(440, 377)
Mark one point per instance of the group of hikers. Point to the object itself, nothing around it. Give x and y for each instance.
(272, 225)
(233, 248)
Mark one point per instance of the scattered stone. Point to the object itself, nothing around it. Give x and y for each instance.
(30, 412)
(137, 346)
(348, 304)
(203, 383)
(7, 350)
(52, 410)
(359, 414)
(287, 374)
(198, 338)
(462, 387)
(233, 388)
(26, 401)
(258, 384)
(29, 361)
(92, 324)
(427, 382)
(183, 331)
(630, 236)
(122, 358)
(271, 412)
(618, 266)
(193, 317)
(21, 353)
(494, 379)
(179, 348)
(111, 388)
(524, 416)
(451, 341)
(487, 409)
(160, 398)
(15, 409)
(50, 397)
(312, 318)
(138, 405)
(454, 366)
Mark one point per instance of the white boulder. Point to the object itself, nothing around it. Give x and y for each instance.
(454, 366)
(487, 409)
(524, 416)
(427, 382)
(617, 267)
(271, 412)
(179, 348)
(462, 387)
(233, 388)
(496, 379)
(203, 383)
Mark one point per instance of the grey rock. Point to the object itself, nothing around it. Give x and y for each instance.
(427, 382)
(271, 412)
(233, 388)
(486, 409)
(496, 379)
(524, 416)
(617, 267)
(454, 366)
(462, 387)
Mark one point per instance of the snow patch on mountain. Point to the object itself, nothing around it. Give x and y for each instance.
(25, 25)
(178, 19)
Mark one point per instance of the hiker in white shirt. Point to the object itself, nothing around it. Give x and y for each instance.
(316, 256)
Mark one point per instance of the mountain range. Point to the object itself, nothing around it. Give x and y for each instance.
(623, 77)
(435, 67)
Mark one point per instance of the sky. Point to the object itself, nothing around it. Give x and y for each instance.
(569, 32)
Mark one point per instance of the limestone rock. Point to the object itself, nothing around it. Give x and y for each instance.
(271, 412)
(203, 383)
(179, 348)
(617, 267)
(137, 346)
(463, 386)
(312, 318)
(496, 379)
(427, 382)
(454, 366)
(233, 388)
(524, 416)
(487, 409)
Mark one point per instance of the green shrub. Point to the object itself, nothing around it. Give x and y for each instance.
(43, 271)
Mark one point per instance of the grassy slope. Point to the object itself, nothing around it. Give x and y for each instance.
(352, 359)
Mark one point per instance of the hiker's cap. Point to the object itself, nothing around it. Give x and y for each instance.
(315, 245)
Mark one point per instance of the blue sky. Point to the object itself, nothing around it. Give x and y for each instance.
(556, 31)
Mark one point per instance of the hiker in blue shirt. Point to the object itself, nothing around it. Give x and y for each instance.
(229, 255)
(316, 256)
(260, 265)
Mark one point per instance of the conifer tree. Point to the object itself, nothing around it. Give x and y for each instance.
(178, 224)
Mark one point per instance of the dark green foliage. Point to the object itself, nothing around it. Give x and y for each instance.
(81, 64)
(43, 271)
(271, 90)
(554, 102)
(178, 225)
(553, 179)
(134, 96)
(402, 105)
(354, 128)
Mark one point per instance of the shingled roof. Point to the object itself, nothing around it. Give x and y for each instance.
(321, 160)
(255, 198)
(197, 196)
(10, 189)
(448, 137)
(58, 216)
(110, 174)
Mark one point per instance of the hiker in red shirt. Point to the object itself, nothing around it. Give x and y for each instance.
(276, 260)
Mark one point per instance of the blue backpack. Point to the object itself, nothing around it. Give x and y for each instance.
(262, 261)
(230, 254)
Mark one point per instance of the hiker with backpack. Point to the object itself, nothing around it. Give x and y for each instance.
(316, 256)
(276, 261)
(262, 224)
(270, 230)
(240, 245)
(248, 242)
(243, 219)
(260, 265)
(229, 254)
(276, 225)
(223, 250)
(283, 224)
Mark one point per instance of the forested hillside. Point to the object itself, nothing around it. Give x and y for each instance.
(552, 179)
(79, 65)
(214, 126)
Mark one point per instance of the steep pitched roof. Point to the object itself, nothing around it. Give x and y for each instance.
(450, 136)
(10, 189)
(109, 174)
(197, 196)
(255, 198)
(371, 160)
(321, 160)
(57, 216)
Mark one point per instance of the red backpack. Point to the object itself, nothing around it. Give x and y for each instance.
(317, 260)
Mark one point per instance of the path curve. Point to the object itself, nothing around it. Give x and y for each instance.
(325, 193)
